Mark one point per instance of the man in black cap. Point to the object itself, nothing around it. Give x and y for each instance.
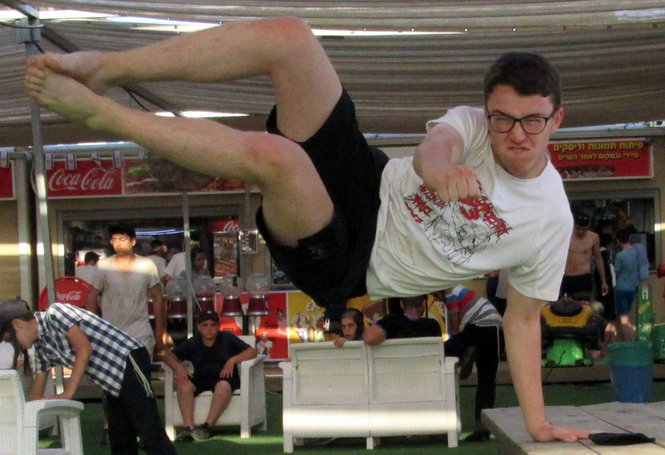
(88, 345)
(214, 355)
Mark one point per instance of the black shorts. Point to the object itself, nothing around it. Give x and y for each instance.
(577, 287)
(330, 265)
(207, 383)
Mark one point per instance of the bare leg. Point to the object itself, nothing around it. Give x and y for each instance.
(295, 202)
(221, 398)
(306, 85)
(186, 402)
(626, 327)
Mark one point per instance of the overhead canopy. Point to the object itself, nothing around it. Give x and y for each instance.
(611, 57)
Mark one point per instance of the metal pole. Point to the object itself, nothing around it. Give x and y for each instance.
(188, 265)
(30, 35)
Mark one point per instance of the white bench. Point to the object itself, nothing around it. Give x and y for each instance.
(400, 387)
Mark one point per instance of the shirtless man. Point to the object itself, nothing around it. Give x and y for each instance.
(583, 250)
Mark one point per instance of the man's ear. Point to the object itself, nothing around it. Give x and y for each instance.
(557, 118)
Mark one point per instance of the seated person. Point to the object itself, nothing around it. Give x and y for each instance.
(411, 324)
(199, 267)
(214, 355)
(475, 336)
(353, 326)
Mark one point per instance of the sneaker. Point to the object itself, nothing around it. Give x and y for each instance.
(466, 362)
(185, 435)
(201, 432)
(478, 436)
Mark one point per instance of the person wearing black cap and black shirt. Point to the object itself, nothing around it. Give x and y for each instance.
(119, 364)
(214, 355)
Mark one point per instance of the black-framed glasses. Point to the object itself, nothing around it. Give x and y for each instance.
(531, 124)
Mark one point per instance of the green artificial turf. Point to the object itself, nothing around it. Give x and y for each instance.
(227, 440)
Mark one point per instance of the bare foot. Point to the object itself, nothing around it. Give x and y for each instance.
(85, 67)
(63, 95)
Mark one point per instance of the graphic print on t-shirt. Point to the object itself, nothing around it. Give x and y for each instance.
(460, 228)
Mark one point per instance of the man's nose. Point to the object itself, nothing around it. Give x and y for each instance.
(517, 133)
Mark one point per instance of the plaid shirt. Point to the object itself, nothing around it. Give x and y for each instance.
(110, 345)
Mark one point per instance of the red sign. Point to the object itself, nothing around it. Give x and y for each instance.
(68, 289)
(602, 159)
(90, 178)
(7, 182)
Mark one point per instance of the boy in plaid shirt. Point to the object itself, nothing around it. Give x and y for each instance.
(77, 339)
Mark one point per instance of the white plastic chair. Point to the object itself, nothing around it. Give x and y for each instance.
(247, 407)
(19, 420)
(6, 360)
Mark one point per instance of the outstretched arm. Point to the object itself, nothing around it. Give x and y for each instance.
(82, 352)
(521, 326)
(437, 162)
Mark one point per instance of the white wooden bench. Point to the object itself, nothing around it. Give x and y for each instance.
(400, 387)
(507, 425)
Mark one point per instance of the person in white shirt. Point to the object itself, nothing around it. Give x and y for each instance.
(158, 255)
(86, 272)
(123, 284)
(341, 220)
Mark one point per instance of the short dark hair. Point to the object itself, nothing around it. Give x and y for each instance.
(413, 302)
(623, 235)
(582, 219)
(90, 256)
(122, 229)
(528, 74)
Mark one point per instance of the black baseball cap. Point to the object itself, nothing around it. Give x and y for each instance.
(208, 315)
(10, 310)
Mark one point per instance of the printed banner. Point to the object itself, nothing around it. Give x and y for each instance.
(603, 159)
(152, 175)
(118, 176)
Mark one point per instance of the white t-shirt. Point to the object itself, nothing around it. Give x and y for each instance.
(423, 245)
(176, 265)
(124, 295)
(86, 272)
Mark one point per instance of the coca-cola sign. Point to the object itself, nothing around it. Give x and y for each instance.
(68, 289)
(73, 297)
(90, 178)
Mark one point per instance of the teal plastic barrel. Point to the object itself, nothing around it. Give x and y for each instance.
(631, 365)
